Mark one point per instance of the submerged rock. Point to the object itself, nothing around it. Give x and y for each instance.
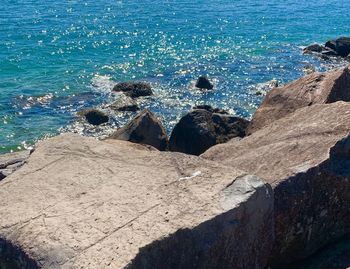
(145, 128)
(94, 116)
(134, 89)
(84, 203)
(204, 83)
(316, 88)
(309, 170)
(203, 128)
(124, 104)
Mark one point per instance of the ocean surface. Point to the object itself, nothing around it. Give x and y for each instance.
(58, 57)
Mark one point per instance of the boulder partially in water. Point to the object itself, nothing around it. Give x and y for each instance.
(305, 156)
(203, 128)
(134, 89)
(84, 203)
(145, 128)
(94, 116)
(316, 88)
(204, 83)
(313, 48)
(340, 45)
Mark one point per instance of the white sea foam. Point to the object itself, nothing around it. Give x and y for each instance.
(102, 83)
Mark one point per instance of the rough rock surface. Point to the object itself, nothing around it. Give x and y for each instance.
(10, 162)
(316, 88)
(204, 83)
(203, 128)
(134, 89)
(334, 256)
(145, 128)
(310, 176)
(84, 203)
(94, 116)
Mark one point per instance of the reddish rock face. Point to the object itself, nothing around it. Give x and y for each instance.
(316, 88)
(306, 157)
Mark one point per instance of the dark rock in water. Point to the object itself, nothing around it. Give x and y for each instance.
(134, 89)
(94, 117)
(211, 109)
(341, 46)
(331, 44)
(300, 156)
(145, 128)
(203, 128)
(125, 105)
(329, 52)
(204, 83)
(313, 48)
(11, 162)
(316, 88)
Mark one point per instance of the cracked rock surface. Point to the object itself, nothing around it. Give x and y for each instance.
(83, 203)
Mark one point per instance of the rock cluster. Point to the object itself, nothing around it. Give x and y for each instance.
(339, 47)
(266, 200)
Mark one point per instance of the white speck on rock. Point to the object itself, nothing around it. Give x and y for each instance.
(195, 174)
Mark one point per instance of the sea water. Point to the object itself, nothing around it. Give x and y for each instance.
(61, 56)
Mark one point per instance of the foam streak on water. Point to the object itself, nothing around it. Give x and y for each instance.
(57, 57)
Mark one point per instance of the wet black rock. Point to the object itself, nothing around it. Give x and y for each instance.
(94, 116)
(134, 89)
(313, 48)
(204, 83)
(340, 45)
(203, 128)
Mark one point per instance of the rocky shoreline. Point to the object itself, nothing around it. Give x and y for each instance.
(220, 192)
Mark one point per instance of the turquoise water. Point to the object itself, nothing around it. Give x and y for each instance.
(57, 57)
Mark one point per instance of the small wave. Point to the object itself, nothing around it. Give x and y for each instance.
(102, 83)
(27, 102)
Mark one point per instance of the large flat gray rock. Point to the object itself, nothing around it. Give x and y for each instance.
(83, 203)
(304, 157)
